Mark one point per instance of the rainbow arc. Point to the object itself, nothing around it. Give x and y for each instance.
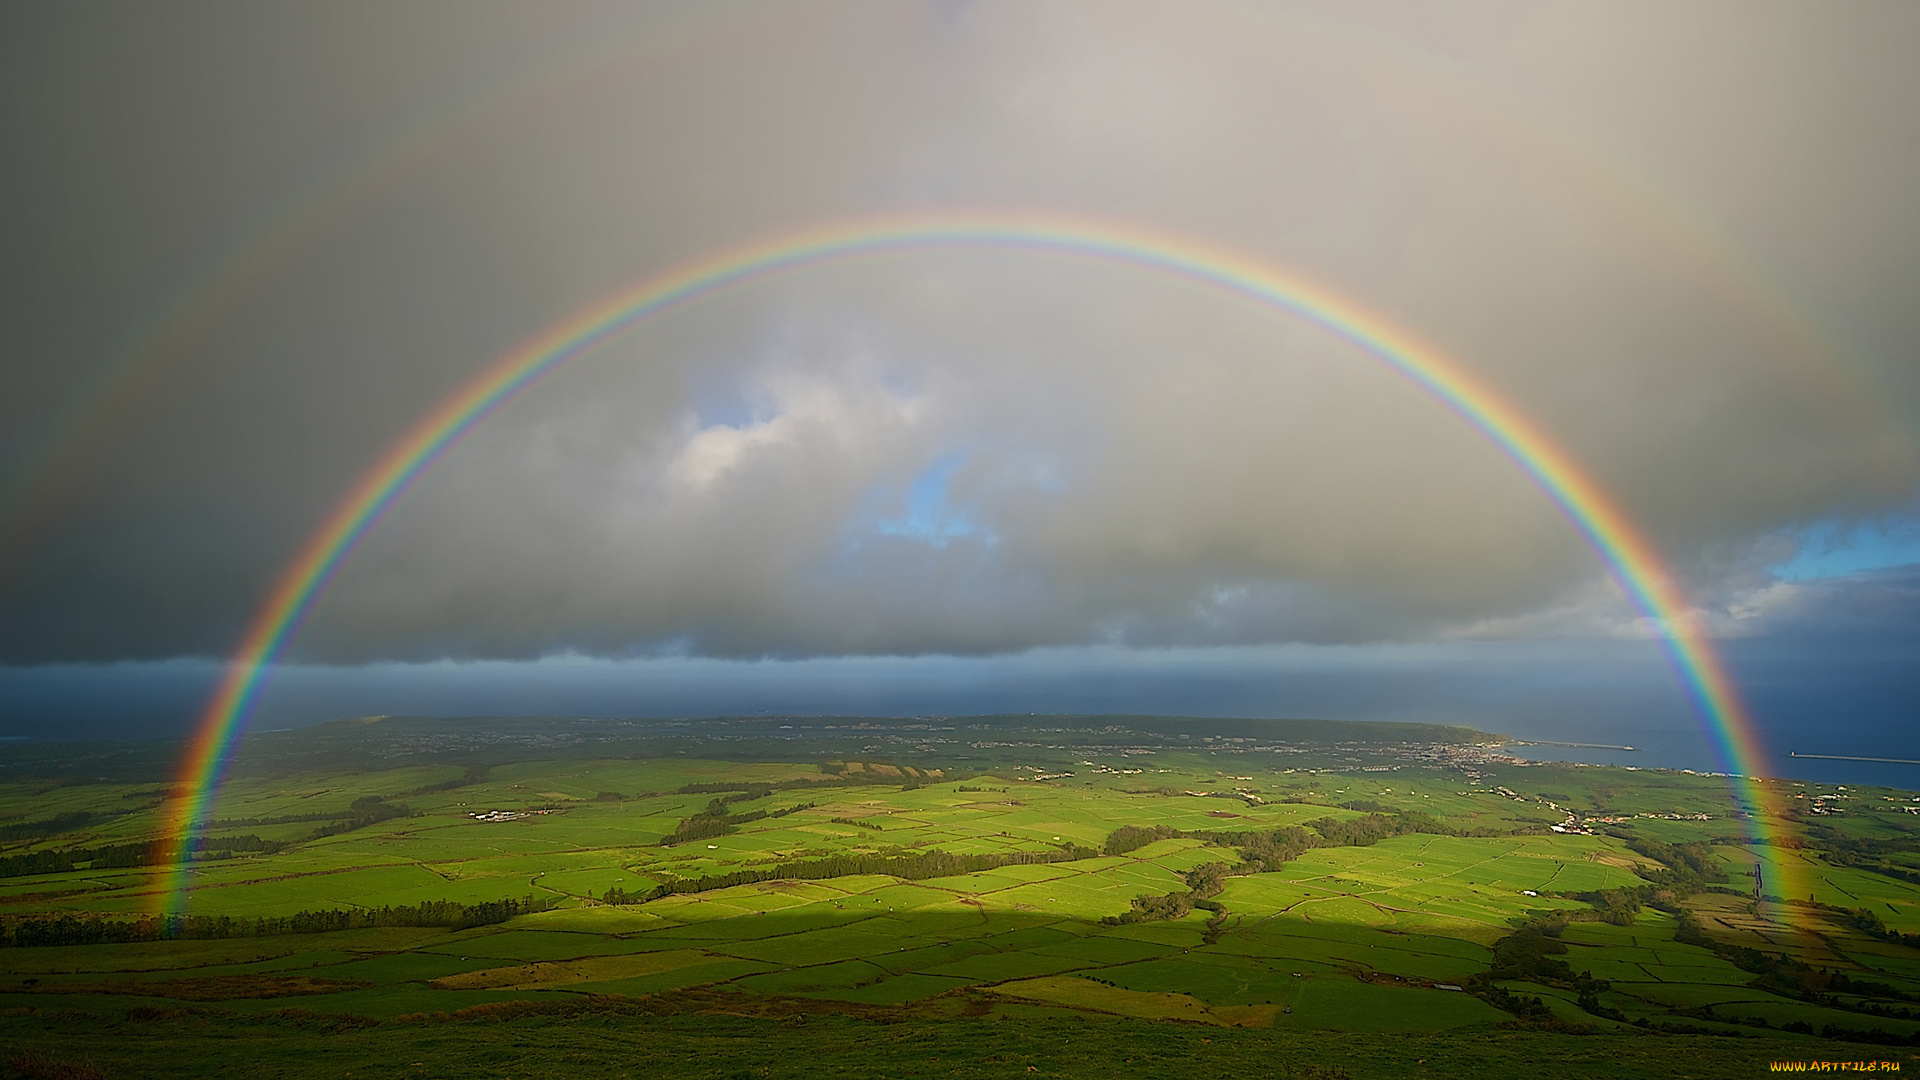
(1630, 556)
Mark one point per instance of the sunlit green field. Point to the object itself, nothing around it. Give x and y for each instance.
(1371, 940)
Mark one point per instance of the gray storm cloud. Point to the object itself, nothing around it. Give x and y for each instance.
(1680, 240)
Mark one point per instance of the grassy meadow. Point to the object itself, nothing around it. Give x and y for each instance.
(1320, 911)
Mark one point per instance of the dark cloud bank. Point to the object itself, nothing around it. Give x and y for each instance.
(1830, 673)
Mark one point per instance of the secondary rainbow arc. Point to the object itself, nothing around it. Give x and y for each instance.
(1628, 553)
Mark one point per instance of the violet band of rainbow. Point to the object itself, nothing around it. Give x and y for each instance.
(1622, 546)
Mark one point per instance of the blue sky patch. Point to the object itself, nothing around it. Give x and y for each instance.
(930, 513)
(1834, 549)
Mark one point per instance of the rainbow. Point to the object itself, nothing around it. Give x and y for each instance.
(1630, 556)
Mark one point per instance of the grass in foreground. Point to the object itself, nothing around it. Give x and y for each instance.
(723, 1036)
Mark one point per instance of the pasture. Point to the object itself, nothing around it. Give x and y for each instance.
(1355, 937)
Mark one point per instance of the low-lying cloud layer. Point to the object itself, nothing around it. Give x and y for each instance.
(1695, 272)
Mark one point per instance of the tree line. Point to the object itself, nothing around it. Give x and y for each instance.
(140, 853)
(94, 930)
(895, 862)
(1271, 847)
(33, 830)
(718, 820)
(368, 811)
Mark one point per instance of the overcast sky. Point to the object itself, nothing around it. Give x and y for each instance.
(243, 248)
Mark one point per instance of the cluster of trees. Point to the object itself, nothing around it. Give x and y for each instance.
(1373, 828)
(856, 823)
(73, 930)
(1690, 865)
(1819, 986)
(110, 856)
(364, 811)
(1270, 848)
(1532, 953)
(896, 862)
(1685, 869)
(1863, 853)
(33, 830)
(476, 773)
(1527, 1008)
(701, 827)
(1204, 882)
(1868, 922)
(1883, 867)
(1877, 1036)
(718, 820)
(749, 792)
(1259, 852)
(370, 810)
(1128, 838)
(1620, 906)
(1173, 905)
(374, 806)
(226, 847)
(278, 819)
(743, 792)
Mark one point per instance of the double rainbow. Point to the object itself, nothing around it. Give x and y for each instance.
(1632, 559)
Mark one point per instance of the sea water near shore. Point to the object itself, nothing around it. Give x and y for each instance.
(1614, 693)
(1663, 747)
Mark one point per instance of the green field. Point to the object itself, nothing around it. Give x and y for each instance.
(1405, 935)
